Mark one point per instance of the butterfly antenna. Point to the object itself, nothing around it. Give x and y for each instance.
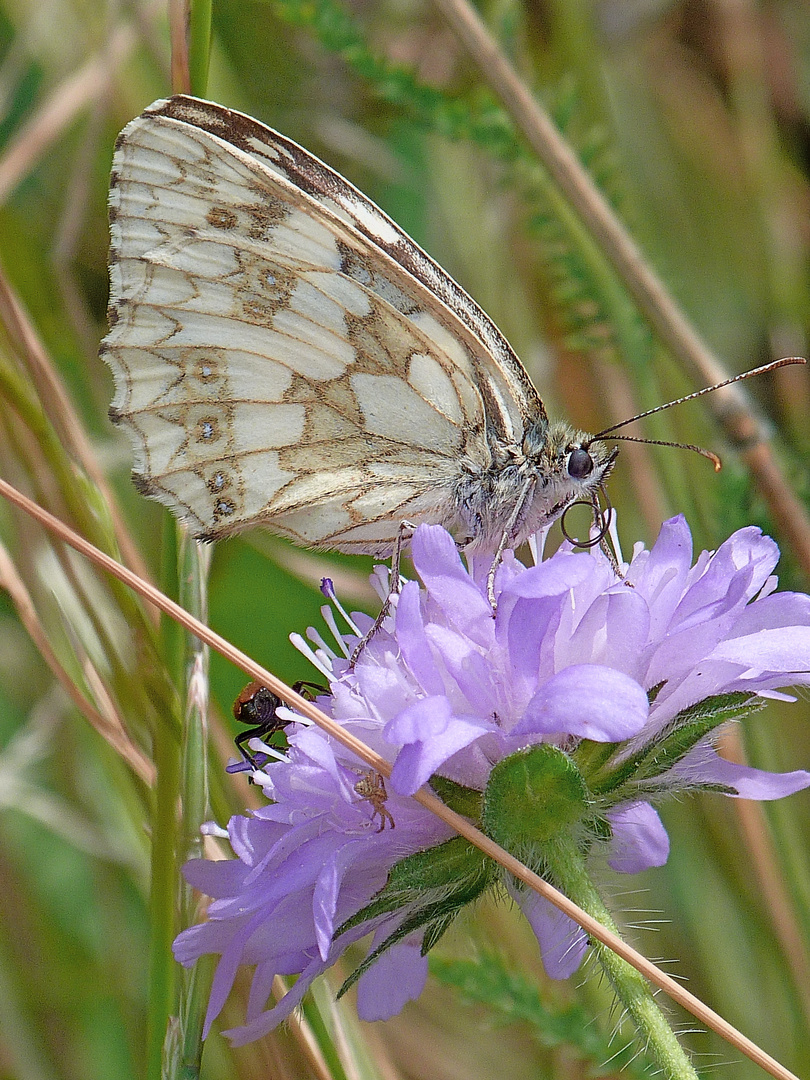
(713, 458)
(774, 364)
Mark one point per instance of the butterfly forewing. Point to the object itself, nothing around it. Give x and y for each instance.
(272, 365)
(500, 368)
(285, 355)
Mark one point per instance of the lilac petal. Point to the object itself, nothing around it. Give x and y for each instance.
(310, 741)
(741, 566)
(410, 631)
(750, 547)
(261, 986)
(439, 565)
(382, 690)
(773, 612)
(714, 678)
(262, 1023)
(221, 878)
(396, 977)
(431, 733)
(529, 635)
(474, 674)
(251, 841)
(562, 942)
(266, 1021)
(659, 574)
(673, 547)
(553, 577)
(327, 891)
(225, 975)
(781, 649)
(703, 765)
(195, 941)
(639, 838)
(613, 632)
(588, 700)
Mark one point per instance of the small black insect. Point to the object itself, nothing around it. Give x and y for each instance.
(256, 705)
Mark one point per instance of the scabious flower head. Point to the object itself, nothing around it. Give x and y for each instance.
(585, 698)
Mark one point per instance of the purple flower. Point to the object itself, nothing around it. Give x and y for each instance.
(611, 690)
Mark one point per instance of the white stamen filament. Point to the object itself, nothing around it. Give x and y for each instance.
(314, 658)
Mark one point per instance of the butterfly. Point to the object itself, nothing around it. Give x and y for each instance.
(285, 355)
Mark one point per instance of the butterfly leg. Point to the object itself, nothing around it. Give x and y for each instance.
(507, 535)
(601, 522)
(406, 531)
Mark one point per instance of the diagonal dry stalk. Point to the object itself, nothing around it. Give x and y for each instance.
(107, 722)
(83, 86)
(59, 409)
(731, 406)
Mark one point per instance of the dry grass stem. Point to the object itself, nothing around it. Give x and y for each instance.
(109, 726)
(81, 89)
(59, 409)
(759, 844)
(178, 34)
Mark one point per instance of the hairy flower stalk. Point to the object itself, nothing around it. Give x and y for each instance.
(555, 726)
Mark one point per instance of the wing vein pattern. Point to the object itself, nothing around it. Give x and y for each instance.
(283, 353)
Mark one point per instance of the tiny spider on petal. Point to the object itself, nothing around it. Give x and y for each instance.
(371, 787)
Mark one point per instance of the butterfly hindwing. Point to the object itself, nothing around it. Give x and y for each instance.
(285, 355)
(272, 365)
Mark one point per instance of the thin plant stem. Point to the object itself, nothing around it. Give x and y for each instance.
(58, 408)
(162, 897)
(632, 990)
(194, 564)
(199, 45)
(60, 108)
(110, 727)
(178, 32)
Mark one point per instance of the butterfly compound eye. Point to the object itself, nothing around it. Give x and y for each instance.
(580, 464)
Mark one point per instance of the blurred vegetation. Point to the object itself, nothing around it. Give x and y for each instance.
(694, 117)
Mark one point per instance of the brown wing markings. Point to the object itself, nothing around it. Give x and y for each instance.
(384, 340)
(299, 178)
(311, 175)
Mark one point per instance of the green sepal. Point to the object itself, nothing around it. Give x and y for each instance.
(599, 828)
(435, 929)
(465, 801)
(435, 923)
(533, 796)
(659, 755)
(455, 869)
(435, 884)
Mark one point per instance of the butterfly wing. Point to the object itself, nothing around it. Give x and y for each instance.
(283, 354)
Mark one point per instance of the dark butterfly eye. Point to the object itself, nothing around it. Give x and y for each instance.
(580, 464)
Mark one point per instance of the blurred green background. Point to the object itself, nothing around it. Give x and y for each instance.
(695, 118)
